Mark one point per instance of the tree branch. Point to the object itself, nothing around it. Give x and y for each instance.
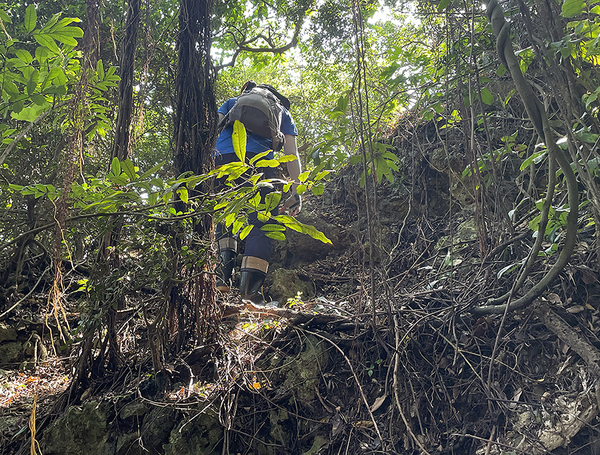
(243, 46)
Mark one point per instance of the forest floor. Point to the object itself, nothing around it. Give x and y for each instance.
(416, 373)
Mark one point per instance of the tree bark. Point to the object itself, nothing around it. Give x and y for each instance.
(195, 135)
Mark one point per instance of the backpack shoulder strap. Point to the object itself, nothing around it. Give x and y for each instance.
(282, 99)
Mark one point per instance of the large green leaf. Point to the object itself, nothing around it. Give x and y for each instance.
(4, 17)
(24, 56)
(47, 41)
(65, 39)
(239, 140)
(443, 5)
(30, 18)
(487, 97)
(115, 166)
(572, 8)
(28, 114)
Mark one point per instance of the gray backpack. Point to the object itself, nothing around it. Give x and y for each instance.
(260, 111)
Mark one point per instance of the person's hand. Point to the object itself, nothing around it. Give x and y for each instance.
(292, 205)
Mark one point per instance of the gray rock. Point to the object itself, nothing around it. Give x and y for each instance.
(304, 374)
(82, 430)
(133, 409)
(10, 352)
(201, 436)
(157, 426)
(285, 284)
(7, 332)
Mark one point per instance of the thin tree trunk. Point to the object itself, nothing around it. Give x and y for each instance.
(125, 114)
(195, 135)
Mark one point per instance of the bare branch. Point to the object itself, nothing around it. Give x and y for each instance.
(243, 46)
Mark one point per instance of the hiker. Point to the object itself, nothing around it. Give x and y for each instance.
(269, 126)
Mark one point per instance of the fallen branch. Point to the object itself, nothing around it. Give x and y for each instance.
(294, 317)
(570, 337)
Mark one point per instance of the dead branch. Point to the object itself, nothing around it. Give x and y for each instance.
(243, 46)
(570, 337)
(294, 317)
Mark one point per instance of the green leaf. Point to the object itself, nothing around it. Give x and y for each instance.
(531, 159)
(65, 38)
(572, 8)
(276, 235)
(239, 140)
(52, 22)
(38, 99)
(115, 166)
(41, 54)
(24, 56)
(318, 190)
(443, 5)
(10, 88)
(508, 97)
(32, 82)
(245, 232)
(183, 194)
(149, 172)
(47, 41)
(267, 163)
(316, 234)
(272, 227)
(28, 114)
(30, 18)
(128, 167)
(259, 156)
(271, 201)
(302, 177)
(100, 70)
(5, 17)
(487, 97)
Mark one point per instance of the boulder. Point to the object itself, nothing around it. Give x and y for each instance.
(7, 332)
(286, 284)
(10, 353)
(199, 436)
(304, 374)
(82, 430)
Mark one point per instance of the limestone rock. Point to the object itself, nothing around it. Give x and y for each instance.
(133, 409)
(7, 332)
(303, 375)
(10, 352)
(285, 284)
(200, 436)
(81, 431)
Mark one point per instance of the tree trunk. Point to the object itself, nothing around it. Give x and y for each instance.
(125, 114)
(195, 135)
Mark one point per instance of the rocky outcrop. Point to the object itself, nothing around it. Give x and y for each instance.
(133, 425)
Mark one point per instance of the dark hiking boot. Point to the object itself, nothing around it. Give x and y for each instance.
(225, 270)
(251, 281)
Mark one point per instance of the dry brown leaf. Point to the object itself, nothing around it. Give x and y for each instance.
(378, 402)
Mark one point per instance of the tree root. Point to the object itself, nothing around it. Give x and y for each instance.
(539, 118)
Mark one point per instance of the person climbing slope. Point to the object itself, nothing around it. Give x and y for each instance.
(269, 126)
